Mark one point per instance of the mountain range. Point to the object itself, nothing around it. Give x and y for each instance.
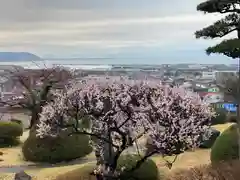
(18, 56)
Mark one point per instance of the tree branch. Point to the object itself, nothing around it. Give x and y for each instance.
(138, 151)
(94, 135)
(170, 164)
(229, 11)
(226, 33)
(139, 163)
(44, 94)
(220, 28)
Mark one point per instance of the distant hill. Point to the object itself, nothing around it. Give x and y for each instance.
(18, 56)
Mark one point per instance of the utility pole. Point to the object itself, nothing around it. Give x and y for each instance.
(238, 96)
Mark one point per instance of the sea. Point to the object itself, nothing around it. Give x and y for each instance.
(72, 64)
(88, 64)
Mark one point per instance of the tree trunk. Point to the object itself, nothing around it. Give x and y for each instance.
(98, 156)
(238, 101)
(34, 120)
(105, 158)
(238, 108)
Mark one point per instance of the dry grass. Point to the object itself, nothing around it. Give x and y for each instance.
(52, 173)
(221, 171)
(77, 174)
(45, 173)
(6, 176)
(187, 160)
(222, 127)
(190, 159)
(13, 155)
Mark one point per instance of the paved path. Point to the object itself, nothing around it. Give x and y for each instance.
(18, 168)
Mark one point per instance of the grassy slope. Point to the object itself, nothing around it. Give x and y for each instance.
(185, 160)
(13, 156)
(190, 159)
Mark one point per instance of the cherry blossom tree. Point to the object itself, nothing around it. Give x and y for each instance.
(32, 88)
(121, 112)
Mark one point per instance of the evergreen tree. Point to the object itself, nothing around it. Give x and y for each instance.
(228, 47)
(223, 27)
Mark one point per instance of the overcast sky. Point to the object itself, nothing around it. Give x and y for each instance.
(105, 28)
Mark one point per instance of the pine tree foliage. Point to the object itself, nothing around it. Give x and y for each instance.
(223, 27)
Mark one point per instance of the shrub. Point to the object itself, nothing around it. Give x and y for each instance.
(210, 141)
(226, 145)
(220, 171)
(53, 150)
(16, 121)
(220, 117)
(9, 133)
(10, 129)
(232, 119)
(9, 142)
(148, 170)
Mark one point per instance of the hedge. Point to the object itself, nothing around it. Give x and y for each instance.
(226, 146)
(221, 117)
(53, 150)
(232, 119)
(10, 133)
(148, 170)
(10, 129)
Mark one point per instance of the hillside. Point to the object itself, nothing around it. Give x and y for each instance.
(18, 56)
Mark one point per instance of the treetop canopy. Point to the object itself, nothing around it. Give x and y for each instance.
(230, 48)
(220, 6)
(220, 28)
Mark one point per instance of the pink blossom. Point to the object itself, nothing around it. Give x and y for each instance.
(122, 110)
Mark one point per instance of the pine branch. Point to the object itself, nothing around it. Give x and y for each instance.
(219, 6)
(230, 48)
(220, 28)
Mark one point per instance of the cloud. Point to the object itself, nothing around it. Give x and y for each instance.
(61, 10)
(110, 30)
(99, 27)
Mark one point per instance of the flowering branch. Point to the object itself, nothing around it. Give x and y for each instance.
(95, 135)
(122, 111)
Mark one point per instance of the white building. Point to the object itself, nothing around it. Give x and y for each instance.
(217, 75)
(208, 75)
(221, 75)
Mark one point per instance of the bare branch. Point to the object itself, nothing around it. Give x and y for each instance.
(170, 164)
